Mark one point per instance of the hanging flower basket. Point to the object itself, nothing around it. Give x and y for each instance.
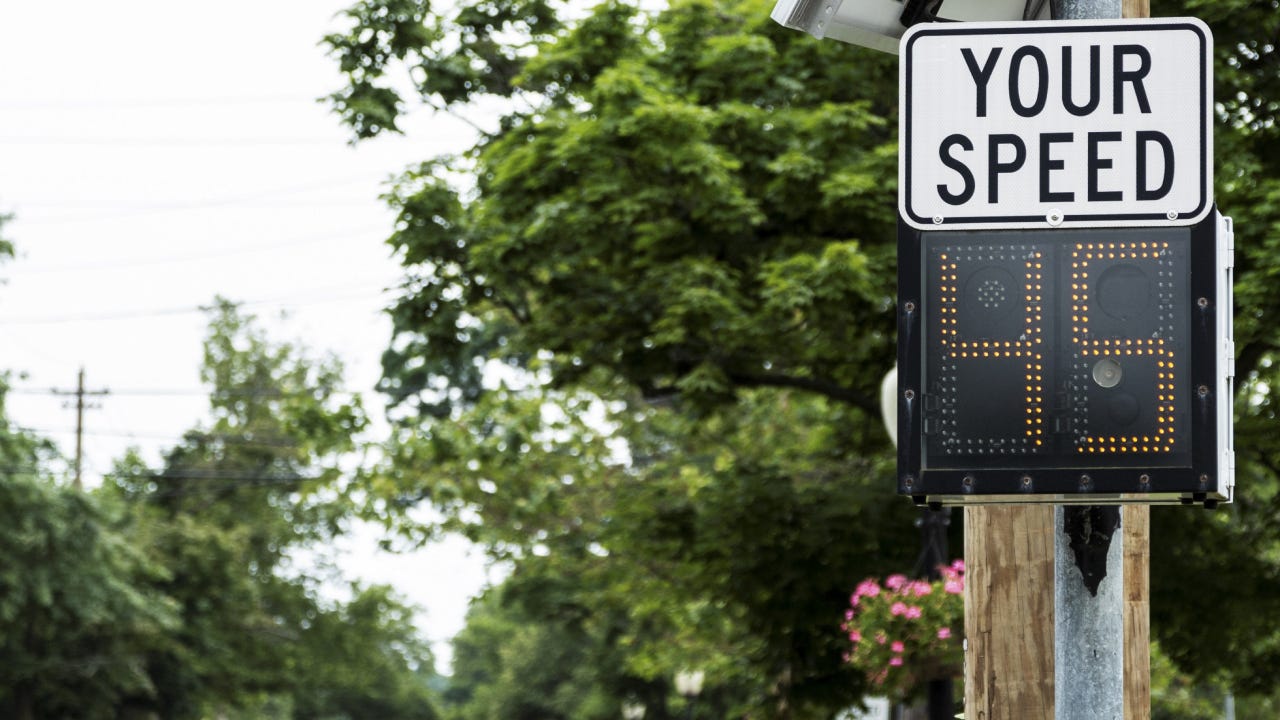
(903, 633)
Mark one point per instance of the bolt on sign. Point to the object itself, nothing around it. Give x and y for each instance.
(1064, 278)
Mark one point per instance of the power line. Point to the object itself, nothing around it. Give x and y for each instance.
(194, 392)
(134, 142)
(149, 102)
(228, 439)
(181, 310)
(192, 257)
(209, 202)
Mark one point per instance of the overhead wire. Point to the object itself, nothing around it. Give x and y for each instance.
(206, 203)
(63, 103)
(186, 309)
(136, 142)
(187, 392)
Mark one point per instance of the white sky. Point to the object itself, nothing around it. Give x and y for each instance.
(158, 153)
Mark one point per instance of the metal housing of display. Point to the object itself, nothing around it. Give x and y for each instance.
(1075, 366)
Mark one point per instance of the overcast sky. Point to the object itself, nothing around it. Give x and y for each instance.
(156, 154)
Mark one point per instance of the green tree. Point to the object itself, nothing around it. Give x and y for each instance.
(364, 660)
(684, 219)
(78, 608)
(518, 666)
(77, 611)
(228, 512)
(1232, 558)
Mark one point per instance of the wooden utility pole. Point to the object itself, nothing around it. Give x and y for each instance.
(1009, 600)
(80, 406)
(1135, 521)
(1008, 612)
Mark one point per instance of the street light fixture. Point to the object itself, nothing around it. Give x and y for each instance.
(878, 24)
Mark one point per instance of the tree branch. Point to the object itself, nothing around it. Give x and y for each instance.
(832, 390)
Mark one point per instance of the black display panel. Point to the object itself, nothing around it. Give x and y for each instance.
(1061, 365)
(1061, 353)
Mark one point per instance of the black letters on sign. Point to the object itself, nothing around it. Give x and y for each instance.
(1095, 86)
(1149, 136)
(944, 152)
(1048, 165)
(995, 168)
(1133, 77)
(981, 76)
(1042, 81)
(1097, 163)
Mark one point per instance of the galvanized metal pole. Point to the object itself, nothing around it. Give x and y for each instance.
(1088, 614)
(1086, 9)
(1088, 565)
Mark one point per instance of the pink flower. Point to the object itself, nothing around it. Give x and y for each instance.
(848, 615)
(855, 636)
(897, 646)
(895, 582)
(898, 608)
(944, 633)
(958, 566)
(882, 638)
(921, 588)
(913, 612)
(866, 588)
(954, 587)
(895, 661)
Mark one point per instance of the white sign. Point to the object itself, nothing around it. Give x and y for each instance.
(1056, 124)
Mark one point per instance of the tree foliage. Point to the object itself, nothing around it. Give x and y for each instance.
(177, 592)
(679, 236)
(79, 611)
(232, 507)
